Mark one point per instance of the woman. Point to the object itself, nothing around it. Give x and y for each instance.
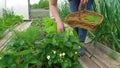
(73, 7)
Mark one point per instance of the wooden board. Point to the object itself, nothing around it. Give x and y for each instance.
(102, 57)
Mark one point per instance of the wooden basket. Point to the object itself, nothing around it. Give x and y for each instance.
(75, 19)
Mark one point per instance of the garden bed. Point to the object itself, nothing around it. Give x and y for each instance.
(8, 22)
(34, 50)
(8, 34)
(27, 48)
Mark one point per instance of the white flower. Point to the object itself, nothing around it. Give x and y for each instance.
(75, 52)
(54, 52)
(60, 55)
(63, 54)
(48, 57)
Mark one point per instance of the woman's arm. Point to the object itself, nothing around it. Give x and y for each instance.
(53, 9)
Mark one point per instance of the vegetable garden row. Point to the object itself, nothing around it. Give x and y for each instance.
(8, 21)
(40, 46)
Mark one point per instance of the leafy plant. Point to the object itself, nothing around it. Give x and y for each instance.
(25, 39)
(20, 51)
(50, 25)
(39, 15)
(34, 6)
(9, 20)
(27, 50)
(62, 49)
(91, 18)
(42, 4)
(108, 32)
(37, 23)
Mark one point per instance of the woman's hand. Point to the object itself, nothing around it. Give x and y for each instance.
(84, 1)
(53, 9)
(60, 27)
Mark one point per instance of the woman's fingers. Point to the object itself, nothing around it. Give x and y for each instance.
(60, 27)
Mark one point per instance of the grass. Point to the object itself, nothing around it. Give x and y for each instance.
(113, 55)
(108, 33)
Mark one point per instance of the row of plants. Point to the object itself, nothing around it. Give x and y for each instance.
(108, 32)
(8, 21)
(39, 15)
(44, 4)
(40, 46)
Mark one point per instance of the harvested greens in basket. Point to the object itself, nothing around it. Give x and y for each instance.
(91, 18)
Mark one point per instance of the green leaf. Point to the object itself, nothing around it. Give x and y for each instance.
(78, 66)
(49, 63)
(2, 53)
(39, 63)
(65, 65)
(70, 54)
(25, 52)
(33, 60)
(25, 65)
(75, 46)
(68, 44)
(115, 39)
(2, 64)
(12, 66)
(22, 42)
(11, 43)
(39, 50)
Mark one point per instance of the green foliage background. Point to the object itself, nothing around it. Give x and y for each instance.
(43, 4)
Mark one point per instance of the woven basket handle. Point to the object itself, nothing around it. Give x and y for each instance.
(80, 6)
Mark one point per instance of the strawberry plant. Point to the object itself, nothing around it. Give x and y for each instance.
(28, 50)
(60, 49)
(20, 51)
